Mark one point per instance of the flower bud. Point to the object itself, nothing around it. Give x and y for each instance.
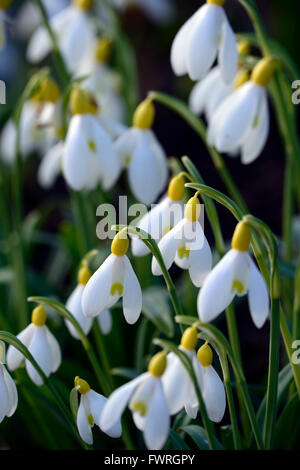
(84, 274)
(205, 355)
(263, 72)
(39, 316)
(82, 102)
(176, 188)
(158, 364)
(189, 338)
(192, 209)
(81, 385)
(241, 237)
(120, 244)
(144, 115)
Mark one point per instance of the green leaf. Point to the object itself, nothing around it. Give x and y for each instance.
(198, 435)
(176, 441)
(157, 309)
(288, 424)
(125, 372)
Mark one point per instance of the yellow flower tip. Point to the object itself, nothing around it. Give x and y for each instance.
(220, 3)
(84, 4)
(264, 70)
(82, 102)
(192, 209)
(144, 115)
(241, 78)
(4, 4)
(48, 91)
(39, 316)
(205, 355)
(84, 274)
(241, 237)
(81, 385)
(244, 47)
(158, 364)
(120, 244)
(189, 338)
(176, 188)
(103, 49)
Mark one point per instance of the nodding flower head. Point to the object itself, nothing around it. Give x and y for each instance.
(176, 188)
(4, 4)
(39, 316)
(120, 244)
(103, 49)
(264, 70)
(241, 237)
(82, 102)
(192, 209)
(158, 364)
(84, 4)
(84, 274)
(189, 338)
(81, 385)
(219, 3)
(144, 115)
(205, 355)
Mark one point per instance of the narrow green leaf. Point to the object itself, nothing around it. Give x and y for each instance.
(157, 309)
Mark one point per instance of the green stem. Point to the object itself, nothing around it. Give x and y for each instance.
(296, 309)
(102, 353)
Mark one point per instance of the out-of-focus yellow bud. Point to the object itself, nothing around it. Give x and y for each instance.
(144, 115)
(39, 316)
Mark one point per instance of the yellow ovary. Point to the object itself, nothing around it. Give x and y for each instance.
(241, 237)
(39, 316)
(264, 70)
(120, 244)
(176, 188)
(205, 355)
(189, 338)
(81, 385)
(83, 276)
(144, 115)
(158, 364)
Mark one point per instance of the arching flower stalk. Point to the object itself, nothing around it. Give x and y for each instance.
(143, 156)
(204, 36)
(186, 244)
(146, 400)
(41, 344)
(8, 389)
(235, 274)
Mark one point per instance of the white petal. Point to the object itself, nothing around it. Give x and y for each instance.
(4, 400)
(96, 293)
(96, 404)
(203, 41)
(12, 393)
(216, 292)
(83, 425)
(105, 321)
(157, 420)
(13, 357)
(125, 145)
(228, 54)
(168, 246)
(213, 394)
(117, 402)
(200, 264)
(132, 296)
(202, 91)
(74, 306)
(39, 45)
(241, 273)
(41, 352)
(55, 350)
(50, 166)
(176, 383)
(258, 296)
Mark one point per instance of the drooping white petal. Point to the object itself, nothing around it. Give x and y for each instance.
(200, 264)
(228, 53)
(74, 306)
(96, 405)
(105, 321)
(215, 99)
(125, 145)
(4, 400)
(140, 401)
(216, 292)
(168, 246)
(83, 425)
(39, 45)
(203, 41)
(12, 393)
(117, 402)
(176, 383)
(132, 296)
(258, 296)
(160, 161)
(96, 292)
(41, 352)
(241, 273)
(13, 357)
(202, 91)
(157, 420)
(213, 394)
(50, 166)
(55, 350)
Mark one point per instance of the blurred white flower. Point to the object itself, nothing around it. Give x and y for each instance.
(143, 156)
(74, 32)
(186, 244)
(90, 412)
(41, 344)
(241, 122)
(29, 16)
(204, 36)
(158, 10)
(146, 400)
(235, 274)
(114, 279)
(8, 389)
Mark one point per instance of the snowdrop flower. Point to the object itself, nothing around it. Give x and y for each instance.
(235, 274)
(146, 400)
(88, 155)
(163, 217)
(143, 156)
(74, 306)
(204, 36)
(4, 5)
(90, 412)
(241, 122)
(114, 279)
(29, 15)
(207, 94)
(186, 244)
(8, 389)
(158, 10)
(41, 344)
(74, 32)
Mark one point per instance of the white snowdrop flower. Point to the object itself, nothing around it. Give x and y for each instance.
(74, 32)
(114, 279)
(4, 5)
(8, 389)
(241, 122)
(29, 15)
(186, 244)
(235, 274)
(158, 10)
(163, 217)
(89, 156)
(204, 36)
(143, 156)
(104, 320)
(146, 400)
(90, 412)
(41, 344)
